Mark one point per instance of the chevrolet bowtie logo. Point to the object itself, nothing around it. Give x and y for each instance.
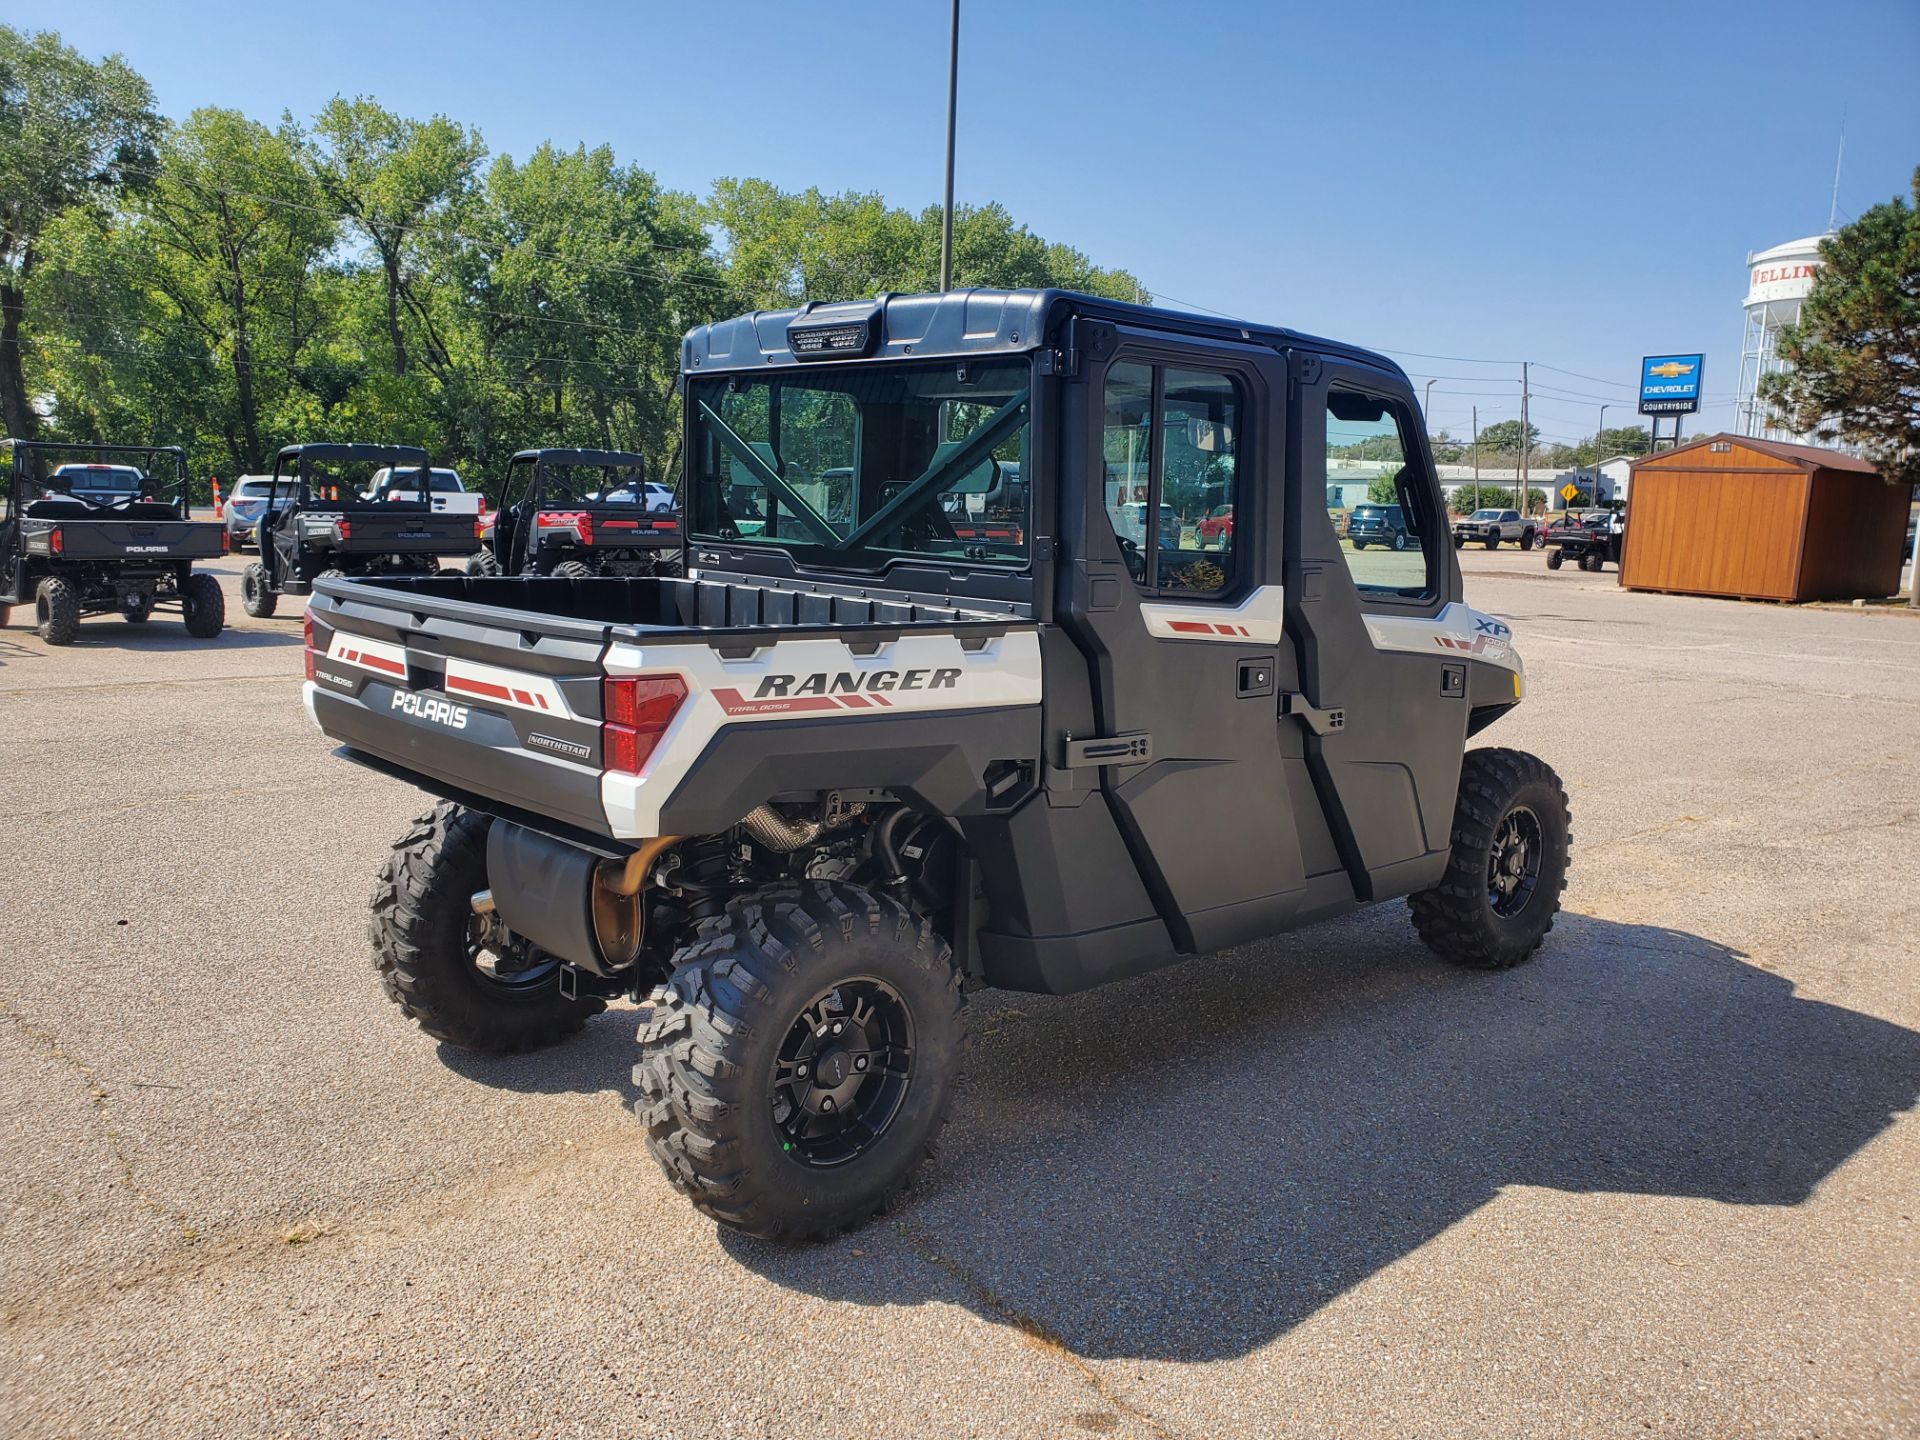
(1670, 370)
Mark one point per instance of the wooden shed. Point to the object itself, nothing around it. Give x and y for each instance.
(1762, 520)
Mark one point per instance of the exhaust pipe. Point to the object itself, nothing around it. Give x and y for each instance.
(573, 904)
(776, 832)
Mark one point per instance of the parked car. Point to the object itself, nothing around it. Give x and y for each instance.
(1378, 525)
(657, 496)
(1133, 525)
(1215, 530)
(1490, 527)
(98, 484)
(245, 508)
(450, 496)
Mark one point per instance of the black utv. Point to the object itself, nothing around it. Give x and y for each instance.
(326, 516)
(580, 513)
(867, 755)
(95, 537)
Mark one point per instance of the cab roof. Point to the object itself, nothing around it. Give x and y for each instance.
(959, 324)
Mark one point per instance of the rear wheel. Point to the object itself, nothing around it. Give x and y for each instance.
(574, 570)
(483, 562)
(203, 605)
(256, 595)
(463, 978)
(1555, 559)
(56, 611)
(1511, 837)
(796, 1070)
(1527, 538)
(1399, 539)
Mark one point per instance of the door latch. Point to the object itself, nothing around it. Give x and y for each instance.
(1320, 722)
(1131, 749)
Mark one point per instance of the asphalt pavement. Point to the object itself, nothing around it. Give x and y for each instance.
(1662, 1180)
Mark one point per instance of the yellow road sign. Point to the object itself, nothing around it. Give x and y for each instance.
(1567, 492)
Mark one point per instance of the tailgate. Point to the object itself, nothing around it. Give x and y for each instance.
(373, 532)
(497, 714)
(114, 539)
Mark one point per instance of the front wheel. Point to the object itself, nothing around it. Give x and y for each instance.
(1359, 544)
(483, 562)
(464, 978)
(1399, 539)
(796, 1070)
(573, 570)
(256, 594)
(1555, 559)
(203, 605)
(1512, 831)
(1493, 542)
(1459, 542)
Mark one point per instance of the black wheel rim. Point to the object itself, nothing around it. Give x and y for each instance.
(505, 963)
(842, 1072)
(1513, 867)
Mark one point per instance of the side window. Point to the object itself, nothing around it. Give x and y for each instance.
(1393, 538)
(1171, 447)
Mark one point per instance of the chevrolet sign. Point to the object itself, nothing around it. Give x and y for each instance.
(1670, 384)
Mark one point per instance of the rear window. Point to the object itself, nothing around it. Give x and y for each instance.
(444, 482)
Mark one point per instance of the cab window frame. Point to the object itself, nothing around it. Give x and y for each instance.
(1242, 377)
(1400, 405)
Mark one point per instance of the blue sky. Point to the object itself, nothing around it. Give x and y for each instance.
(1572, 185)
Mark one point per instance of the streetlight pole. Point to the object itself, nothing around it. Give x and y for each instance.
(953, 91)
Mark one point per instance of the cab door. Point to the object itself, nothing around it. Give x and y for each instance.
(1377, 633)
(1182, 636)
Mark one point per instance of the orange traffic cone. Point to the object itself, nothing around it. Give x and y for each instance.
(214, 480)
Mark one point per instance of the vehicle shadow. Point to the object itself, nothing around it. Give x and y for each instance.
(599, 1058)
(1185, 1166)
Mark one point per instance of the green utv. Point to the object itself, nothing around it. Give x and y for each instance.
(931, 708)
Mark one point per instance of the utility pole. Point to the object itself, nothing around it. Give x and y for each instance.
(1476, 458)
(953, 92)
(1526, 439)
(1598, 453)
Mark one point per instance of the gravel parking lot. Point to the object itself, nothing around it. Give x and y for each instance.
(1661, 1180)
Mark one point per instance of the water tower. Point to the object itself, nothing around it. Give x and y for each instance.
(1778, 280)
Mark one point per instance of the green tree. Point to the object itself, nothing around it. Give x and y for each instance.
(783, 247)
(1503, 437)
(239, 230)
(394, 179)
(1856, 350)
(72, 133)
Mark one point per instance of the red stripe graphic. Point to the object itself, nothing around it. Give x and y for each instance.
(373, 662)
(478, 687)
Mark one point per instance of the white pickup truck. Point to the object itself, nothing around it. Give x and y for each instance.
(450, 497)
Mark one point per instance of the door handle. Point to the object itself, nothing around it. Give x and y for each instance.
(1320, 722)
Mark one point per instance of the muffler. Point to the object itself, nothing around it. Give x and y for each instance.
(578, 906)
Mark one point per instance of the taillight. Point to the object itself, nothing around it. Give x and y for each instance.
(480, 526)
(635, 713)
(226, 541)
(345, 527)
(666, 524)
(56, 542)
(306, 631)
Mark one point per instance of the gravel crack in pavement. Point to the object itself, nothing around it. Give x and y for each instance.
(98, 1095)
(1035, 1331)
